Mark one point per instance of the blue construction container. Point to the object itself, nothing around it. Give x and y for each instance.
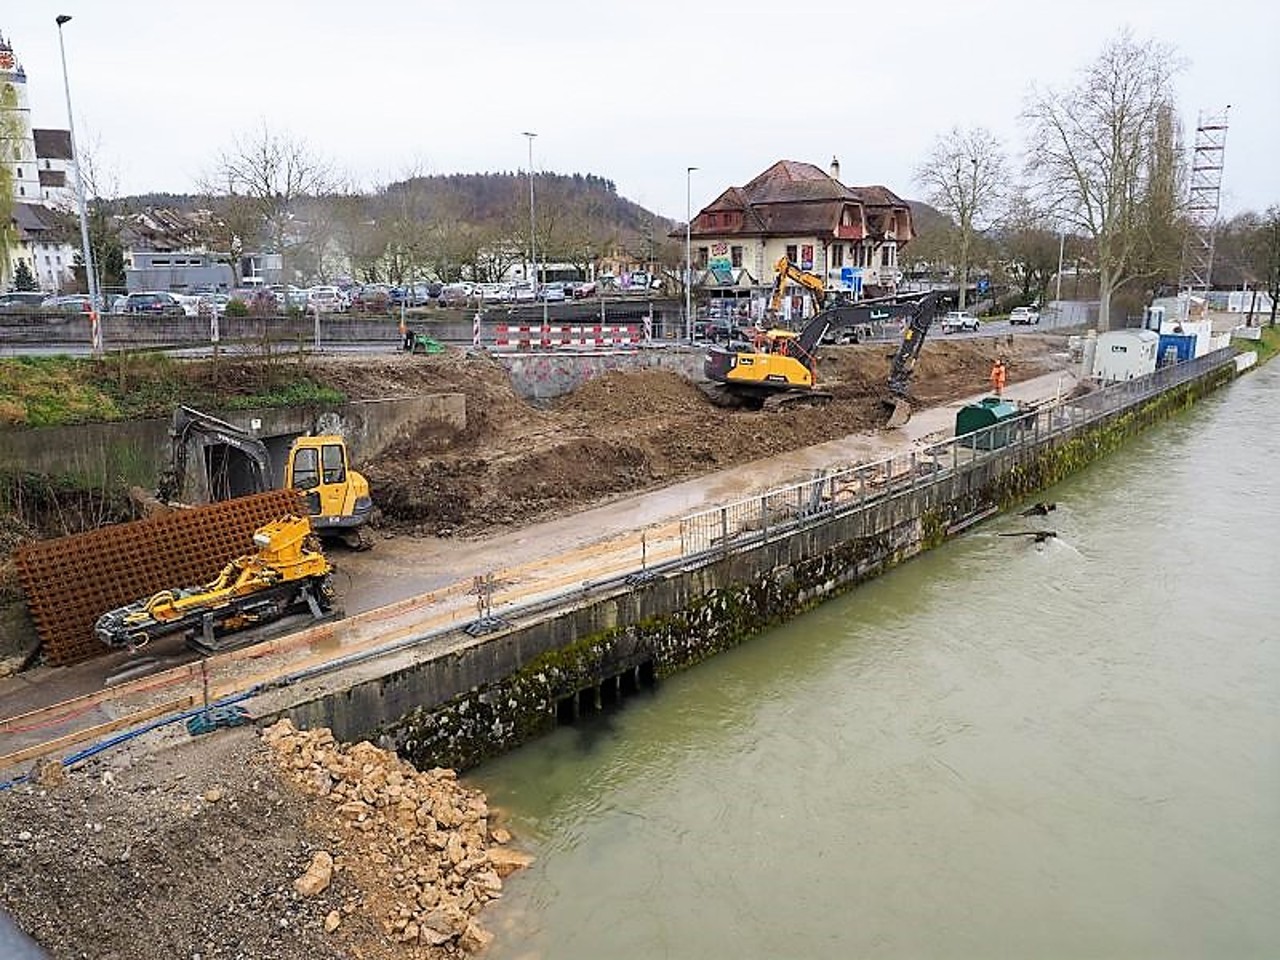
(1175, 348)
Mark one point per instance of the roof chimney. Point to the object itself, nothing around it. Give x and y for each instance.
(835, 169)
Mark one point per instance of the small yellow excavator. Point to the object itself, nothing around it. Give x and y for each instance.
(287, 574)
(336, 496)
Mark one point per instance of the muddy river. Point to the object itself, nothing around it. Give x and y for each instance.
(999, 749)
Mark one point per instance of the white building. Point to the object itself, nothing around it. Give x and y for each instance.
(41, 172)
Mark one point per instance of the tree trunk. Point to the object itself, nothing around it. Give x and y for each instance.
(1106, 285)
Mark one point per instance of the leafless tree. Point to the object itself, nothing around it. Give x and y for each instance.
(965, 177)
(1093, 150)
(272, 172)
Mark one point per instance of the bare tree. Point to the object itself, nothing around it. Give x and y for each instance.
(272, 172)
(964, 176)
(1094, 151)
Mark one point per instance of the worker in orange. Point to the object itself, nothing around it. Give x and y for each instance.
(999, 376)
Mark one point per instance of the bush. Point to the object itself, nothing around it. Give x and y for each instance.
(236, 308)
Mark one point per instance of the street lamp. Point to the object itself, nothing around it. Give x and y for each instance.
(95, 323)
(688, 253)
(533, 250)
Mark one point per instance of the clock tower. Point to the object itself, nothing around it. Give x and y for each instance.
(17, 143)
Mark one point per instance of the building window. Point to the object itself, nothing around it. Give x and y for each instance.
(837, 256)
(886, 257)
(792, 253)
(704, 256)
(22, 191)
(19, 173)
(846, 218)
(735, 256)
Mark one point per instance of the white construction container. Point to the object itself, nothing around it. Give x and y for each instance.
(1125, 354)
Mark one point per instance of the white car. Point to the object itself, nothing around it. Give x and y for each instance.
(959, 321)
(1027, 315)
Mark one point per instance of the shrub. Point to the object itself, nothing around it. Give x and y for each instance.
(236, 308)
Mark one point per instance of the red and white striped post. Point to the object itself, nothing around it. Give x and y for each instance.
(475, 330)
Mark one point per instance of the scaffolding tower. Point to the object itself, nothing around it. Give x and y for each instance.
(1202, 208)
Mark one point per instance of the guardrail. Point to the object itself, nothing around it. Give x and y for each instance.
(844, 491)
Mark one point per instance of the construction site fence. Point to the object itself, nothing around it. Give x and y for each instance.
(842, 491)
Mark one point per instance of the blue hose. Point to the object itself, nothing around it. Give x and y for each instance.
(128, 735)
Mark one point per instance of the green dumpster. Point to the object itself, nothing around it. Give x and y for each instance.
(978, 425)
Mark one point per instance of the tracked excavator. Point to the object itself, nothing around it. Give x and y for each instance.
(288, 573)
(336, 496)
(781, 367)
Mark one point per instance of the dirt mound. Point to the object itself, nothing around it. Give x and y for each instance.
(517, 463)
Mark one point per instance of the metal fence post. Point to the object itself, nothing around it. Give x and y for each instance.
(724, 529)
(764, 517)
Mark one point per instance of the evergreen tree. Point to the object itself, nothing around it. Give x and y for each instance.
(22, 278)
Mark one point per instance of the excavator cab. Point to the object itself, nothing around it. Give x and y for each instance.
(336, 496)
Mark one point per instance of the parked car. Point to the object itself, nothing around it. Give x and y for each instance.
(492, 292)
(190, 304)
(72, 303)
(521, 291)
(118, 304)
(584, 290)
(959, 321)
(157, 304)
(372, 297)
(553, 292)
(1027, 315)
(455, 294)
(21, 300)
(213, 303)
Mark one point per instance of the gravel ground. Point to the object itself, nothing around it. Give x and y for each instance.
(190, 851)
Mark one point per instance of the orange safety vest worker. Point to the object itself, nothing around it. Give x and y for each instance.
(998, 377)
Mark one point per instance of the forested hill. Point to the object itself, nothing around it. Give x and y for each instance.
(478, 198)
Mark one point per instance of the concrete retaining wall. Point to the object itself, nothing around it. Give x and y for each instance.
(488, 695)
(135, 452)
(542, 376)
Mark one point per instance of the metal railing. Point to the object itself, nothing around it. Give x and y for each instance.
(842, 491)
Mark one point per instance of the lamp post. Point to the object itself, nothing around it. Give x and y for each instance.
(90, 277)
(688, 253)
(533, 249)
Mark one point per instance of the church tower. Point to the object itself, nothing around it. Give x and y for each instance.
(17, 143)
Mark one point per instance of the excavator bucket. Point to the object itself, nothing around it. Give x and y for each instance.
(899, 411)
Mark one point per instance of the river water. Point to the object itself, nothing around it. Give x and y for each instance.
(998, 749)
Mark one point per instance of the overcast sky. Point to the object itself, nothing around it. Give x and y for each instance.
(634, 93)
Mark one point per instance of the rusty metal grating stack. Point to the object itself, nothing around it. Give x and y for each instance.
(71, 581)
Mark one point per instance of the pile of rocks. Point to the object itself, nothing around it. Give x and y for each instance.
(420, 834)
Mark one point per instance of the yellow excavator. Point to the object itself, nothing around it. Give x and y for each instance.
(784, 271)
(288, 573)
(336, 496)
(782, 365)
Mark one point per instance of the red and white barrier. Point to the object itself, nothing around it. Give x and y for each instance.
(559, 336)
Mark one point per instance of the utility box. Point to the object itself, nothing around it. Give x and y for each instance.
(1176, 348)
(973, 421)
(1125, 355)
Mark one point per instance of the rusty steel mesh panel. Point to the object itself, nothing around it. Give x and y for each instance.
(71, 581)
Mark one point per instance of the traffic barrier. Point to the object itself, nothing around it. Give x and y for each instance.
(558, 336)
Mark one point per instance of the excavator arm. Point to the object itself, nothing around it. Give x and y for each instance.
(785, 271)
(897, 401)
(188, 423)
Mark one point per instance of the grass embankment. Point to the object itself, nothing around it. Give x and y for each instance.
(50, 391)
(1266, 348)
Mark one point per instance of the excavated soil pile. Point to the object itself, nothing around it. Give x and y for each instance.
(293, 847)
(517, 463)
